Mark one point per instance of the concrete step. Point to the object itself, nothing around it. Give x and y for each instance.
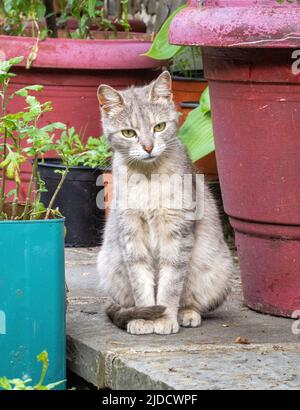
(203, 358)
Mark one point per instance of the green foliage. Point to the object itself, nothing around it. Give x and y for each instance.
(16, 131)
(73, 152)
(288, 1)
(28, 17)
(161, 49)
(20, 15)
(197, 132)
(23, 384)
(22, 139)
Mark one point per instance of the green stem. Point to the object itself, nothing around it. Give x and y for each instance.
(28, 198)
(125, 15)
(16, 201)
(119, 9)
(59, 186)
(34, 181)
(3, 178)
(44, 371)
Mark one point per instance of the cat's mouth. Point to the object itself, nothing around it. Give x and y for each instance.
(150, 158)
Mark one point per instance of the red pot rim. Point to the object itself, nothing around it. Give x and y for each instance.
(99, 54)
(238, 23)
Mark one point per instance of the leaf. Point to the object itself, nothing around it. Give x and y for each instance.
(4, 383)
(205, 101)
(197, 134)
(54, 126)
(91, 7)
(40, 11)
(16, 60)
(161, 49)
(23, 92)
(51, 386)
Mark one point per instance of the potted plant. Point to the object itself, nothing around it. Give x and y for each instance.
(255, 97)
(188, 83)
(71, 63)
(78, 200)
(32, 281)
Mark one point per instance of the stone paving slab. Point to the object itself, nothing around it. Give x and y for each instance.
(201, 358)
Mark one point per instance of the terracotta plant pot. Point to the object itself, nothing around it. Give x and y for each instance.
(208, 164)
(255, 99)
(187, 89)
(71, 71)
(108, 191)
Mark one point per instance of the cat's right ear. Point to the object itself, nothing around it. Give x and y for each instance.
(161, 88)
(110, 100)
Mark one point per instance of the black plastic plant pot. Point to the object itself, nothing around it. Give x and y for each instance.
(190, 75)
(189, 105)
(77, 201)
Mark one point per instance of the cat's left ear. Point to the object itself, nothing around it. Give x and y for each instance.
(161, 89)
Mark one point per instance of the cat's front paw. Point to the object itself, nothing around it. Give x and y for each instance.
(166, 326)
(189, 318)
(140, 327)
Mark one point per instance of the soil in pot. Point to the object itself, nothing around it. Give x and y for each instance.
(77, 201)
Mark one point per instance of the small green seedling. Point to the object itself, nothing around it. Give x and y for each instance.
(23, 384)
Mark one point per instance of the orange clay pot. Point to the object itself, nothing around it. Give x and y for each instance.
(188, 89)
(208, 164)
(107, 182)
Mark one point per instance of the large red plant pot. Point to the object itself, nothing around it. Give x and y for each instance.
(71, 71)
(255, 100)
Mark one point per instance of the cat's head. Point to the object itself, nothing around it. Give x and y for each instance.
(141, 122)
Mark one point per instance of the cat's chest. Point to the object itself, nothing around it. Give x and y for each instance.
(152, 194)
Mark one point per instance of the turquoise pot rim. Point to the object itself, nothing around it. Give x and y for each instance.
(33, 222)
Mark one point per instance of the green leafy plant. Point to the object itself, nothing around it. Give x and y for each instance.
(19, 16)
(38, 17)
(23, 384)
(16, 129)
(23, 140)
(73, 152)
(288, 1)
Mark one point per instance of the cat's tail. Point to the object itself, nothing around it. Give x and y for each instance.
(122, 316)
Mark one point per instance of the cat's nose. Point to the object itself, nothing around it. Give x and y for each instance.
(148, 148)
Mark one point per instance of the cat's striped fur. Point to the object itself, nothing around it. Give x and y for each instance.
(161, 267)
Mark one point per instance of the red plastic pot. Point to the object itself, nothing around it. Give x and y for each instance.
(255, 99)
(71, 71)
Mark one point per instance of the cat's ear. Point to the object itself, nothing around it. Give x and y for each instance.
(110, 100)
(161, 89)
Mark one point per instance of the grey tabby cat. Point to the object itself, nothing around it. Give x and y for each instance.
(162, 267)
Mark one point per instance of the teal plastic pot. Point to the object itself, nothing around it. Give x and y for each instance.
(32, 299)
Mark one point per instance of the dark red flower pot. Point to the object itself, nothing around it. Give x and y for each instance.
(256, 105)
(71, 71)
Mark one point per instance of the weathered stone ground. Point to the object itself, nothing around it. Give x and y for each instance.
(203, 358)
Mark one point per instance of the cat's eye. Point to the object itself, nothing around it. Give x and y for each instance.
(160, 127)
(129, 133)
